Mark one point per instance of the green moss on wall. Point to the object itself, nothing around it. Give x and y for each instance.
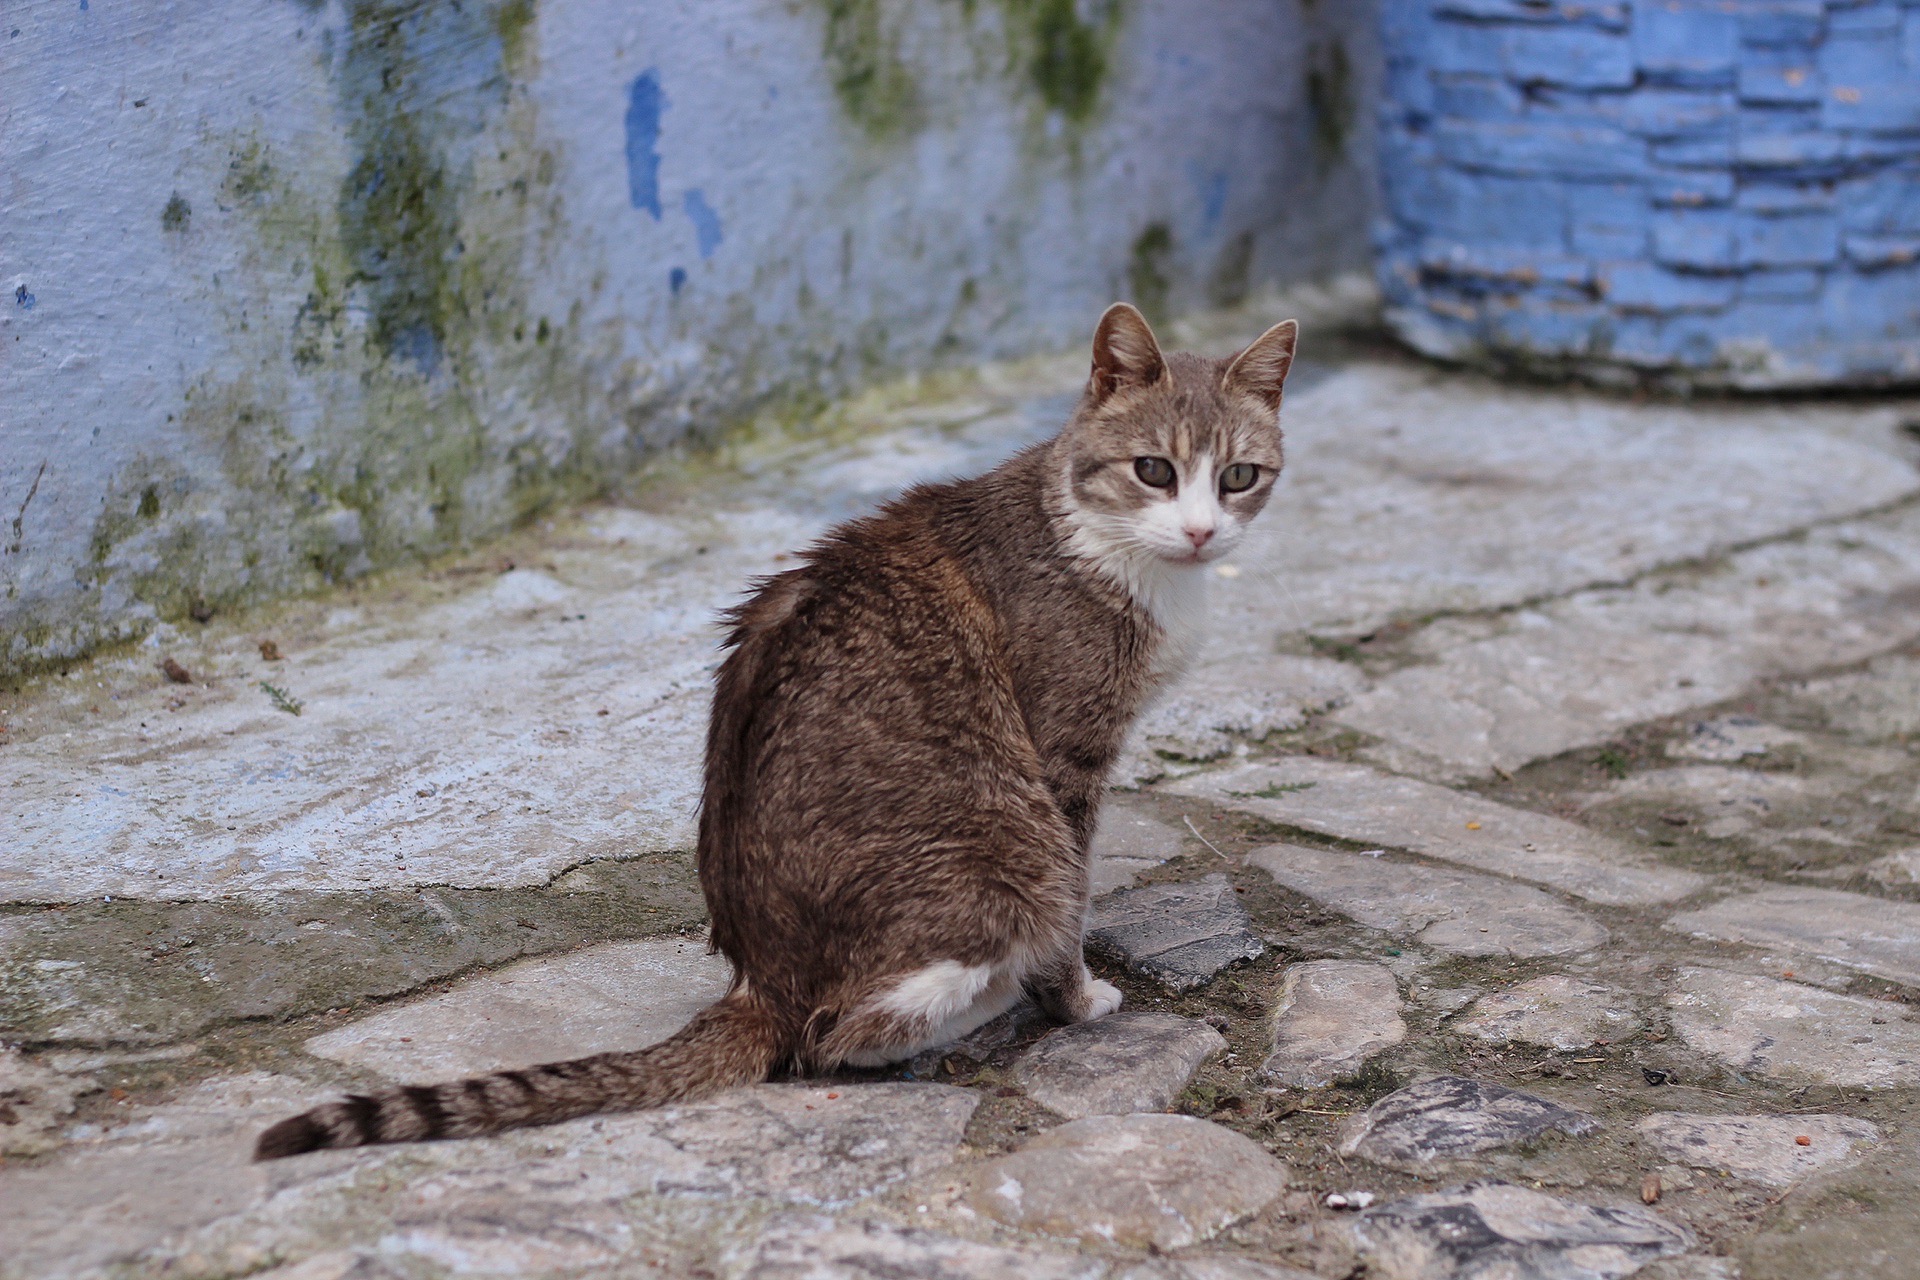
(1150, 270)
(1056, 51)
(874, 85)
(417, 400)
(1065, 56)
(1330, 99)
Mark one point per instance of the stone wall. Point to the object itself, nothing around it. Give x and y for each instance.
(1719, 192)
(295, 288)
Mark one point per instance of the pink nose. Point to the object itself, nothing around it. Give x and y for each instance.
(1199, 537)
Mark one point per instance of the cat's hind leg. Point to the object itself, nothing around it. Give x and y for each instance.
(1067, 992)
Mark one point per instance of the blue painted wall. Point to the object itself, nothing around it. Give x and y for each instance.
(1717, 192)
(290, 289)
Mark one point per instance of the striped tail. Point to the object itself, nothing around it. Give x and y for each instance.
(727, 1044)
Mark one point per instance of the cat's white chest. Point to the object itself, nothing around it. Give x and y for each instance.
(1177, 599)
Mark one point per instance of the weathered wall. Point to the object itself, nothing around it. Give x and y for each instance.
(296, 288)
(1718, 192)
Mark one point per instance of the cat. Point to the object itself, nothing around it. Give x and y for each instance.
(910, 738)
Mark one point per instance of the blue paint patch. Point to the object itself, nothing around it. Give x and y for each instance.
(677, 280)
(645, 102)
(23, 299)
(706, 223)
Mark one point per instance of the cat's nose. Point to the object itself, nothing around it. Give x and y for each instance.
(1199, 537)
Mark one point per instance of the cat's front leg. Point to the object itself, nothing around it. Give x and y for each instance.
(1067, 992)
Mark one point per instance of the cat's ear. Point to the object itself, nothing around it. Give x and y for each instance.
(1261, 370)
(1125, 353)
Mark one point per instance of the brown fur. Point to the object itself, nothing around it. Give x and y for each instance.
(910, 739)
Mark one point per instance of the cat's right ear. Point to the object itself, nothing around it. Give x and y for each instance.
(1125, 353)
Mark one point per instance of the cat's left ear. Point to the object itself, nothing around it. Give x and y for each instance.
(1261, 370)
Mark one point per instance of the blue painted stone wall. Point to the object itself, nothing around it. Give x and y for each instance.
(1710, 192)
(294, 289)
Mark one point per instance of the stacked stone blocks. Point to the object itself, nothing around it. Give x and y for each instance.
(1722, 192)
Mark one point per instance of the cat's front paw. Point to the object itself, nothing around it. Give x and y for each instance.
(1101, 997)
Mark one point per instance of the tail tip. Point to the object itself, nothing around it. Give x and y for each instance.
(291, 1137)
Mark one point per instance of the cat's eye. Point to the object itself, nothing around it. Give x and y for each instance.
(1157, 472)
(1238, 477)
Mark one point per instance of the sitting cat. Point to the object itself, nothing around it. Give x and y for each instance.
(910, 739)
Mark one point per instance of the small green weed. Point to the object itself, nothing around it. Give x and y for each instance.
(1613, 761)
(282, 699)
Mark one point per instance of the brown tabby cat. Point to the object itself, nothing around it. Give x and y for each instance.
(909, 744)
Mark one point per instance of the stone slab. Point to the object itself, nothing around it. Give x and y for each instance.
(1556, 1011)
(1879, 703)
(823, 1249)
(35, 1102)
(175, 1189)
(1217, 1267)
(1896, 870)
(620, 995)
(1439, 1121)
(1128, 841)
(1576, 671)
(1872, 935)
(1457, 912)
(1116, 1065)
(1489, 1230)
(1786, 1031)
(1331, 1017)
(1181, 934)
(1763, 1149)
(1140, 1181)
(1355, 802)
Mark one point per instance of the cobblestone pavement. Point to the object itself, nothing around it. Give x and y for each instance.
(1526, 884)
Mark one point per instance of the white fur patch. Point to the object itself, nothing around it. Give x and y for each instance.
(1103, 998)
(1173, 593)
(934, 994)
(947, 1000)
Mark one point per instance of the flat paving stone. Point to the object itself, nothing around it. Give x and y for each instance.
(176, 1190)
(1355, 802)
(1436, 1122)
(823, 1249)
(1556, 1011)
(620, 995)
(1872, 935)
(1127, 842)
(1497, 1231)
(34, 1103)
(1217, 1267)
(1331, 1017)
(1786, 1031)
(1457, 912)
(1880, 703)
(1576, 671)
(1896, 870)
(1777, 1151)
(1181, 934)
(1116, 1065)
(1140, 1181)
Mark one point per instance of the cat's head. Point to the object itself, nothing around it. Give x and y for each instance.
(1169, 458)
